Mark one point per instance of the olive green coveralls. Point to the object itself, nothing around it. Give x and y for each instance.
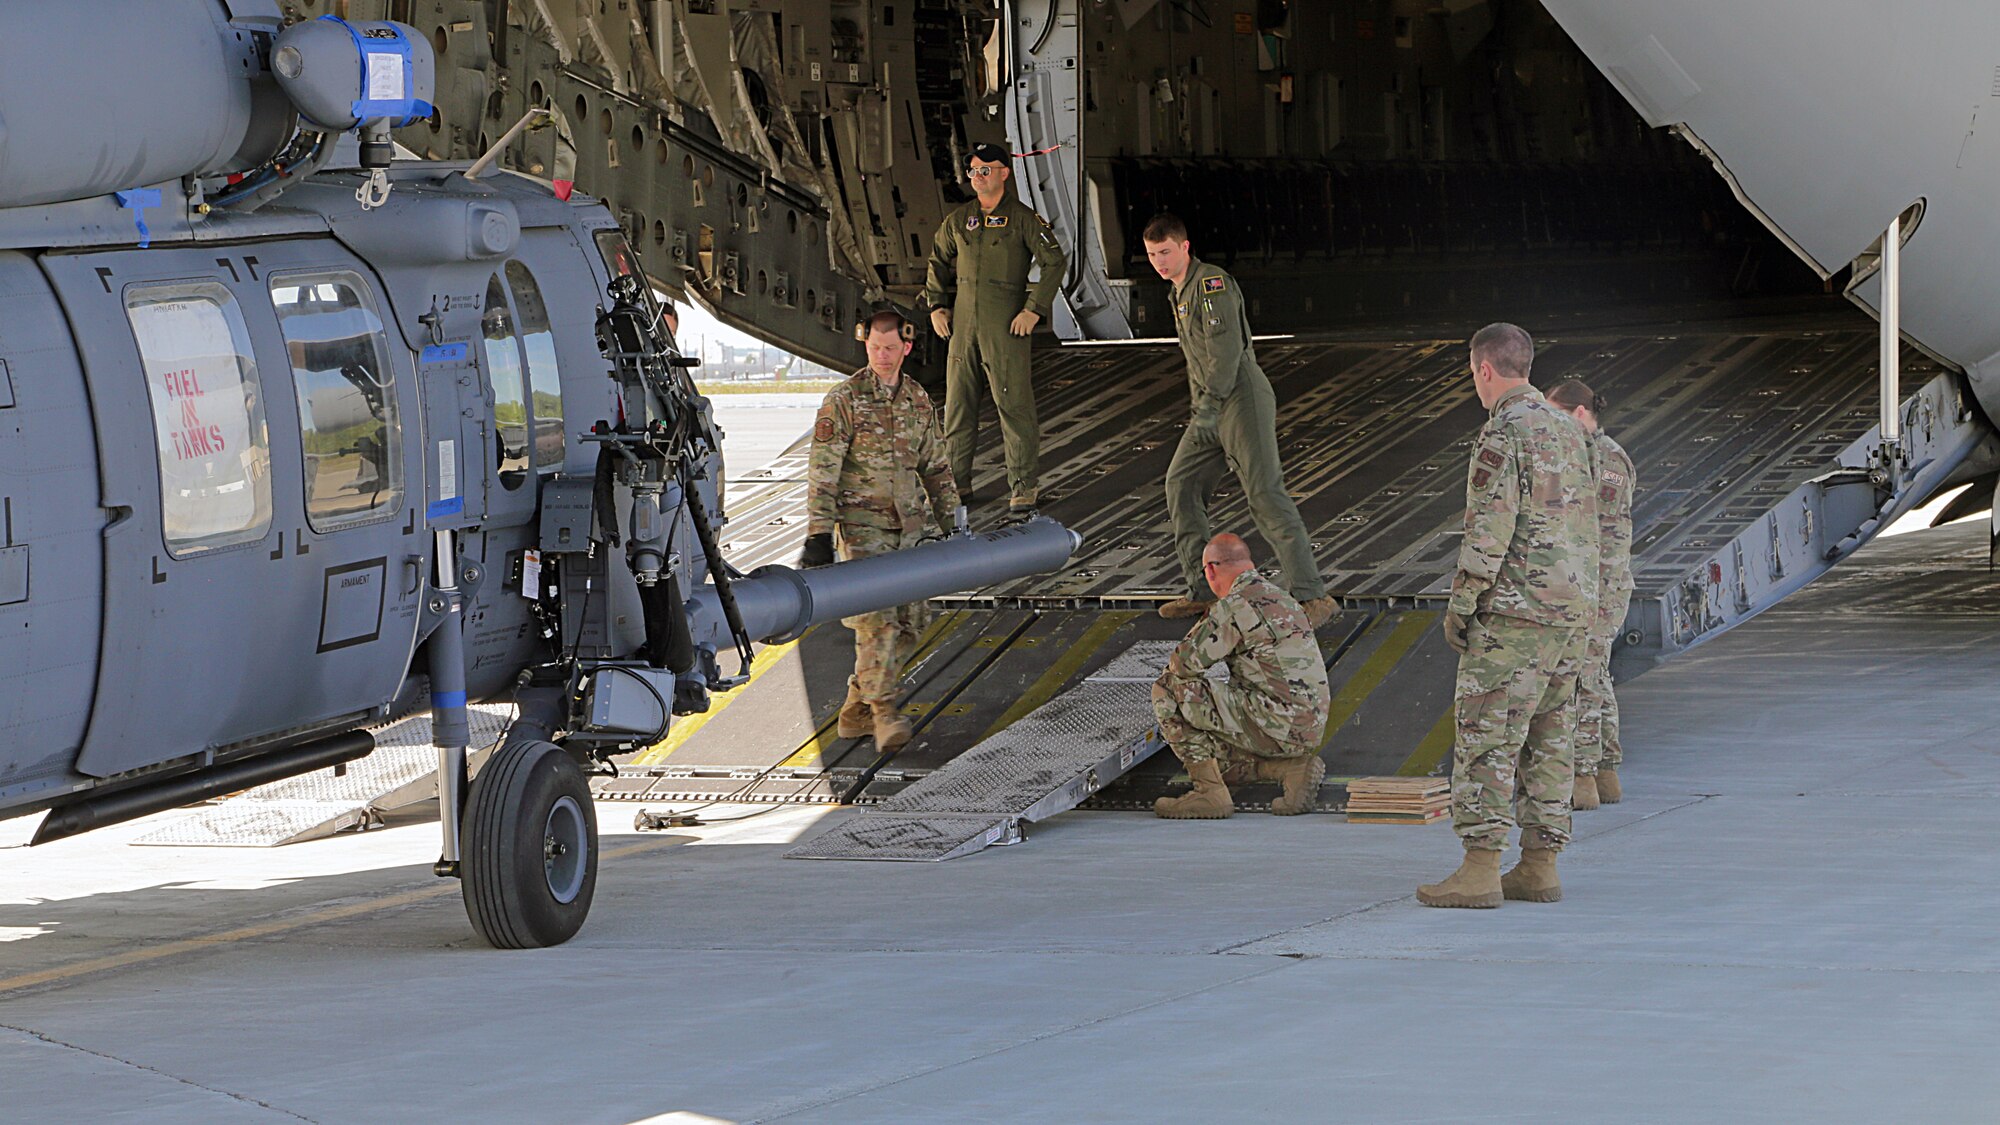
(979, 269)
(1234, 426)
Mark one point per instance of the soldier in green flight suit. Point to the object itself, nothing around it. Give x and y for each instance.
(1234, 425)
(983, 305)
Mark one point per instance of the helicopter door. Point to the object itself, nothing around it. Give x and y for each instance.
(256, 580)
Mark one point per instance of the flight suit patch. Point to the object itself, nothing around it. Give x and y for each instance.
(1608, 494)
(972, 222)
(823, 430)
(1213, 284)
(996, 220)
(1480, 477)
(1492, 457)
(1180, 311)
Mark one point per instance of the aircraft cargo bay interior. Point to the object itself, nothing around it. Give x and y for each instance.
(1440, 550)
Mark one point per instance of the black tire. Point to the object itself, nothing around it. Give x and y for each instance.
(529, 848)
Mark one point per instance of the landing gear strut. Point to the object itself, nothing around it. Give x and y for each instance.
(522, 837)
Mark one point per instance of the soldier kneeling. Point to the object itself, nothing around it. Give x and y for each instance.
(1267, 720)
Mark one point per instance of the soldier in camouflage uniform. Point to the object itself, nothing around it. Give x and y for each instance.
(1268, 718)
(982, 303)
(1233, 426)
(877, 480)
(1597, 750)
(1521, 604)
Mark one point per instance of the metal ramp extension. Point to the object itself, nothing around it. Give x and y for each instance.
(1048, 762)
(401, 771)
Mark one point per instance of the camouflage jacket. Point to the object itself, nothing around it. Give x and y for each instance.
(876, 453)
(1616, 481)
(979, 262)
(1530, 548)
(1275, 668)
(1214, 331)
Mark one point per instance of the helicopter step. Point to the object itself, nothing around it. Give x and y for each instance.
(401, 772)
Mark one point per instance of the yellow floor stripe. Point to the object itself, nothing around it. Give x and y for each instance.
(823, 738)
(1433, 748)
(1045, 687)
(684, 729)
(1376, 668)
(268, 929)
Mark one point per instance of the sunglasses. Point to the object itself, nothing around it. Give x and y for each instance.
(982, 173)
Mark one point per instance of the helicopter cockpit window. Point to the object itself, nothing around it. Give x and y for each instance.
(618, 256)
(347, 398)
(538, 340)
(622, 262)
(510, 403)
(208, 416)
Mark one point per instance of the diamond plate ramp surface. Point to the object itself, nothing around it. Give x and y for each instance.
(401, 771)
(1048, 762)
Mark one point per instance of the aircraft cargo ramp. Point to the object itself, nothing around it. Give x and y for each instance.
(1750, 438)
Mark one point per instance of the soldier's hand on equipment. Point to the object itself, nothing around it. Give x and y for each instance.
(941, 323)
(1024, 322)
(819, 550)
(1457, 632)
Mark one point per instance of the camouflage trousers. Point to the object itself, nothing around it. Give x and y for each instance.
(1203, 720)
(1516, 713)
(884, 640)
(1596, 703)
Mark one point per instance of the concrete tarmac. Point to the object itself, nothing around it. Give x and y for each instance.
(756, 428)
(1790, 918)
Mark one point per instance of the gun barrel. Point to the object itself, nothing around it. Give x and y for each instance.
(778, 603)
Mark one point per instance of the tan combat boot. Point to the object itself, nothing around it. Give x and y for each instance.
(1184, 607)
(1321, 610)
(1209, 800)
(1300, 776)
(1475, 884)
(1609, 792)
(1583, 797)
(892, 730)
(856, 720)
(1534, 878)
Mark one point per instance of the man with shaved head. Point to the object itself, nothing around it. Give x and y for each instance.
(1521, 602)
(1268, 718)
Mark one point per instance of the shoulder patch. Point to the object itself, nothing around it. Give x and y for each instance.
(1213, 284)
(823, 429)
(1612, 476)
(1491, 456)
(972, 221)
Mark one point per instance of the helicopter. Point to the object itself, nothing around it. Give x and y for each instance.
(301, 438)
